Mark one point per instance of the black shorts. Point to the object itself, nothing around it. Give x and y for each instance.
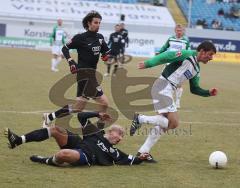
(87, 84)
(74, 141)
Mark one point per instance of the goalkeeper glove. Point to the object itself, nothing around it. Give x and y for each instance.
(105, 57)
(73, 66)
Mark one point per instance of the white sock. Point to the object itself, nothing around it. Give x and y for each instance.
(53, 115)
(154, 135)
(49, 132)
(58, 60)
(23, 139)
(54, 63)
(157, 120)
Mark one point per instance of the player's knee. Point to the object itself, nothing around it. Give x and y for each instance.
(63, 155)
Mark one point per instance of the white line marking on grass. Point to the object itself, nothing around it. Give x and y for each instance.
(24, 112)
(121, 117)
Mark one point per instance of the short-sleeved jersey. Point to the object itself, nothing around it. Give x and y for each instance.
(115, 43)
(183, 65)
(58, 36)
(175, 44)
(89, 45)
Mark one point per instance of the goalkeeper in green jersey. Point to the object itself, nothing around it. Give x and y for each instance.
(177, 42)
(57, 40)
(183, 66)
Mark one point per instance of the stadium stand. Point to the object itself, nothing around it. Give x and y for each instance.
(117, 1)
(154, 2)
(206, 12)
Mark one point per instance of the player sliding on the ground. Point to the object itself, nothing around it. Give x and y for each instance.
(96, 147)
(183, 65)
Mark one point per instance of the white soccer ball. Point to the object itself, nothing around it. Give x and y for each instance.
(218, 159)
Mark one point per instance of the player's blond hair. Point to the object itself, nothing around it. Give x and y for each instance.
(117, 128)
(179, 26)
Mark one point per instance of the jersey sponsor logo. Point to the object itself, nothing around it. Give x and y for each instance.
(112, 150)
(188, 74)
(115, 39)
(102, 146)
(178, 54)
(96, 48)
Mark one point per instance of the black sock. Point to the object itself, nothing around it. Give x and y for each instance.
(64, 111)
(108, 68)
(115, 69)
(51, 161)
(18, 140)
(37, 135)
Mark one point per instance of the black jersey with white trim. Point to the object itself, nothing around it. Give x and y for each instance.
(89, 45)
(104, 153)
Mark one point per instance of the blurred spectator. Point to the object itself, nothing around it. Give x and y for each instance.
(235, 11)
(216, 24)
(201, 23)
(210, 1)
(221, 12)
(159, 2)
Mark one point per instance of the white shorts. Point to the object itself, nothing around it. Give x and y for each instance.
(57, 50)
(162, 95)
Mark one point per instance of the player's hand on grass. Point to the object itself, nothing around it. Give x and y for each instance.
(213, 91)
(141, 65)
(104, 116)
(143, 156)
(73, 66)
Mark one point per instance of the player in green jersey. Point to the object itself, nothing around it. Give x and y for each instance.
(57, 40)
(183, 65)
(175, 43)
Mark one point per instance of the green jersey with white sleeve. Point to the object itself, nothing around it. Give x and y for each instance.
(183, 65)
(175, 44)
(58, 36)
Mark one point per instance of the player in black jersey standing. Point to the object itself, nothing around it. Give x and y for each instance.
(89, 46)
(125, 39)
(115, 44)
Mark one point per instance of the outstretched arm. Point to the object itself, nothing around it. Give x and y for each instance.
(121, 158)
(166, 57)
(84, 116)
(197, 90)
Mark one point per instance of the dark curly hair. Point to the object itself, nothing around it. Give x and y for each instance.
(89, 17)
(206, 46)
